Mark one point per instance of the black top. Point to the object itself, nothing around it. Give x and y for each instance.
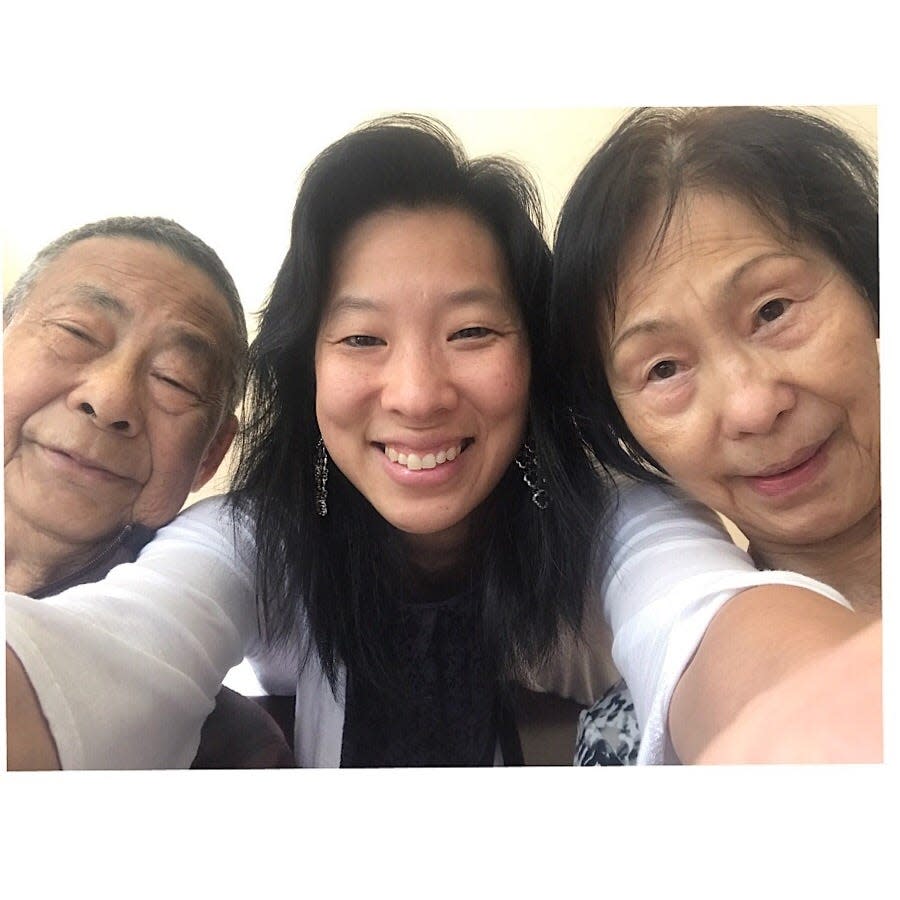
(448, 709)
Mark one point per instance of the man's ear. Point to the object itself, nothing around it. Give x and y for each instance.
(216, 451)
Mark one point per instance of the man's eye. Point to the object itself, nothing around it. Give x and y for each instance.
(476, 331)
(178, 385)
(664, 369)
(75, 331)
(362, 340)
(773, 310)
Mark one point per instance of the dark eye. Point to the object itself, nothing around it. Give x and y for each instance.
(664, 369)
(772, 310)
(474, 332)
(362, 340)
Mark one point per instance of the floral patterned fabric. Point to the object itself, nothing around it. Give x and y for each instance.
(608, 733)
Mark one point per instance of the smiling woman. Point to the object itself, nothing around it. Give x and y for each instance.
(736, 303)
(745, 365)
(422, 370)
(733, 299)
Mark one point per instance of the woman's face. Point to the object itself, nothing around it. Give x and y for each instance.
(746, 365)
(422, 369)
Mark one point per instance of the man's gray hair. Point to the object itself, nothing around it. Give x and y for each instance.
(165, 233)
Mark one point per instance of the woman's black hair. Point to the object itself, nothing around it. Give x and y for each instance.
(804, 174)
(341, 577)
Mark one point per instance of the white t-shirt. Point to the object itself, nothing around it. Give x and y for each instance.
(127, 669)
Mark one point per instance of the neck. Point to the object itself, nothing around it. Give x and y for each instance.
(35, 558)
(437, 554)
(850, 562)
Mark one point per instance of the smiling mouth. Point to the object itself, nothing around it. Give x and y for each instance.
(800, 458)
(415, 462)
(73, 459)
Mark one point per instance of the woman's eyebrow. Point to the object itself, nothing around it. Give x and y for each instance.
(352, 303)
(747, 268)
(646, 326)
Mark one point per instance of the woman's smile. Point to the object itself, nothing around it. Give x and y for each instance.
(784, 479)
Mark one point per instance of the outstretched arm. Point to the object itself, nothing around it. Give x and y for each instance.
(29, 744)
(782, 676)
(126, 670)
(708, 645)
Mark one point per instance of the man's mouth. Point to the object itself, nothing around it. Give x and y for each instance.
(72, 458)
(430, 459)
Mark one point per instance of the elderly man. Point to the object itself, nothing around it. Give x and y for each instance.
(124, 353)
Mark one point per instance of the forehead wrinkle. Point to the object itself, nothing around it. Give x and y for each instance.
(91, 294)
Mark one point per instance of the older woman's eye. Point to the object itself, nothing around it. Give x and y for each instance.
(773, 310)
(663, 369)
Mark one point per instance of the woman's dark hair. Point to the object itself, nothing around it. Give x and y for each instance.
(340, 578)
(802, 173)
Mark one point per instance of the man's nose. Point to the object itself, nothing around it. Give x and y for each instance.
(418, 384)
(109, 396)
(754, 394)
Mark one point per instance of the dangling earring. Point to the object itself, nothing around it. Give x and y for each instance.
(321, 478)
(533, 477)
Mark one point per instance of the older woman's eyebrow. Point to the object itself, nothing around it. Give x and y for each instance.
(747, 268)
(647, 326)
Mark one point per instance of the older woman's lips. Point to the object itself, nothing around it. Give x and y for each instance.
(793, 475)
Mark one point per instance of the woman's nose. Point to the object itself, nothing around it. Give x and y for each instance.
(418, 384)
(109, 396)
(754, 395)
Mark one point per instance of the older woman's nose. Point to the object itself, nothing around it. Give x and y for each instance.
(754, 395)
(109, 395)
(418, 384)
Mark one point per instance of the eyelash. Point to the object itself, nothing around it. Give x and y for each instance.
(75, 332)
(361, 341)
(473, 332)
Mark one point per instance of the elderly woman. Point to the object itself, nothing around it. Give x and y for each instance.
(728, 260)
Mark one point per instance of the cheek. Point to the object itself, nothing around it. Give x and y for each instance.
(503, 387)
(340, 393)
(680, 444)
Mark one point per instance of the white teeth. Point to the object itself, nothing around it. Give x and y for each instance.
(415, 463)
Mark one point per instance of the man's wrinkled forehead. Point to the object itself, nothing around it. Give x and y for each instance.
(125, 278)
